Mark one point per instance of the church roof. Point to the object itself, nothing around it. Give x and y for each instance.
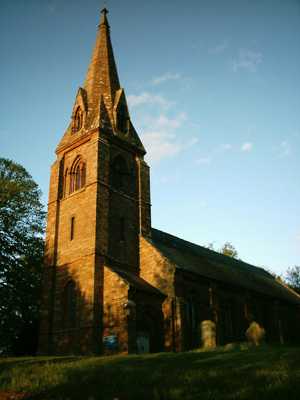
(201, 261)
(136, 281)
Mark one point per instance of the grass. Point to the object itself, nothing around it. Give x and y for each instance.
(254, 373)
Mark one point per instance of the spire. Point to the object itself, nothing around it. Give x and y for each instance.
(101, 103)
(102, 76)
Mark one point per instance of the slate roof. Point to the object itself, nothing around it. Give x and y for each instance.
(199, 260)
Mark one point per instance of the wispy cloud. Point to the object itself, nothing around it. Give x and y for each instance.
(247, 146)
(248, 60)
(223, 147)
(162, 121)
(203, 161)
(283, 150)
(286, 148)
(147, 98)
(165, 77)
(219, 47)
(191, 142)
(159, 145)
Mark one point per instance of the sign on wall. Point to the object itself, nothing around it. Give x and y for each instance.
(111, 342)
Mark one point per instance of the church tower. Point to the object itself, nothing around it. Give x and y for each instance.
(99, 207)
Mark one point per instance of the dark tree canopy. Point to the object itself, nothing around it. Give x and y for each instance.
(292, 278)
(22, 222)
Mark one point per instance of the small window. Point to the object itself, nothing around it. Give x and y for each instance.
(191, 310)
(72, 228)
(190, 305)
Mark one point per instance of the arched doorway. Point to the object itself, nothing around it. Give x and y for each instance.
(149, 333)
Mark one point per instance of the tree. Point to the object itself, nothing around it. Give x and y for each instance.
(22, 222)
(292, 278)
(228, 250)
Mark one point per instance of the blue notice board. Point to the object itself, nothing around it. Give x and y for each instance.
(111, 342)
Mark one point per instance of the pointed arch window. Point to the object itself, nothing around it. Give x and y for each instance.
(70, 305)
(77, 175)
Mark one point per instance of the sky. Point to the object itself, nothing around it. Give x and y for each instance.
(213, 91)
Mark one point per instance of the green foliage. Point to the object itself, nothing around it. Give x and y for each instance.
(292, 278)
(22, 222)
(239, 373)
(228, 250)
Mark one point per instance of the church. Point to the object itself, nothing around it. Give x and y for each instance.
(112, 284)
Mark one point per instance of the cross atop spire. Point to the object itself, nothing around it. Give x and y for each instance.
(104, 19)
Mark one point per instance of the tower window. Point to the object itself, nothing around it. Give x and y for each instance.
(77, 175)
(72, 228)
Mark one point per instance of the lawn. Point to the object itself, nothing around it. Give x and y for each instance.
(249, 373)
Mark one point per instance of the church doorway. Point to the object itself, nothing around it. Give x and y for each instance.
(149, 333)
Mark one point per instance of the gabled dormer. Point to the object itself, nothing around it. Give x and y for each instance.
(79, 111)
(121, 113)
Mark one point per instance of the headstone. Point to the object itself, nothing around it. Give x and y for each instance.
(255, 334)
(208, 333)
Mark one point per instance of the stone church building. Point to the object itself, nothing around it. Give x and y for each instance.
(112, 284)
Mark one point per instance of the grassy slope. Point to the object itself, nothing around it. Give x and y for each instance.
(257, 373)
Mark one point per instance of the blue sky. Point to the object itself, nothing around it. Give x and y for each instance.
(213, 91)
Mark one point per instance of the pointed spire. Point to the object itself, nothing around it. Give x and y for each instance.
(102, 76)
(104, 19)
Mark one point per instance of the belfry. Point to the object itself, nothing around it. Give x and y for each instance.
(111, 283)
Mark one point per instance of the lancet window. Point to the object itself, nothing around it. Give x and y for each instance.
(191, 310)
(70, 305)
(77, 120)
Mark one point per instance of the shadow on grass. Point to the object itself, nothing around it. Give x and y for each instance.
(256, 373)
